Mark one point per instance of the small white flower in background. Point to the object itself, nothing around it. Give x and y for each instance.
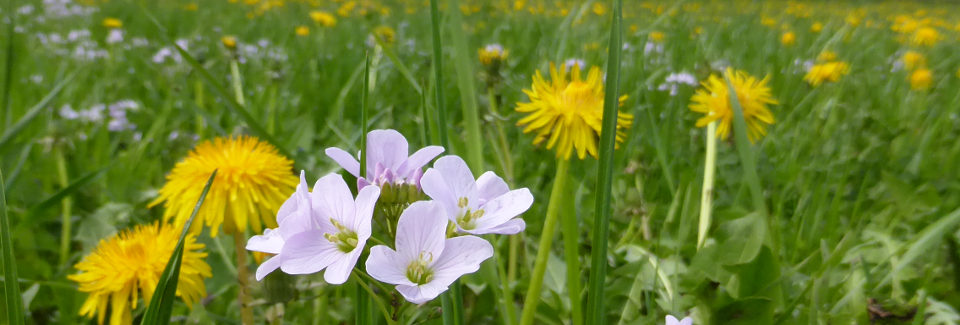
(675, 79)
(93, 114)
(325, 229)
(25, 10)
(67, 112)
(569, 63)
(673, 321)
(387, 160)
(425, 262)
(36, 78)
(484, 206)
(115, 36)
(651, 47)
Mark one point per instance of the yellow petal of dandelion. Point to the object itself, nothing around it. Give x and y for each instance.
(826, 72)
(714, 101)
(252, 179)
(567, 111)
(127, 266)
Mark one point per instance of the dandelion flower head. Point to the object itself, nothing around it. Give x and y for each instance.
(252, 181)
(921, 79)
(753, 94)
(566, 112)
(826, 72)
(492, 53)
(128, 266)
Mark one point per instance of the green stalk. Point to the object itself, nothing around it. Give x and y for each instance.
(468, 96)
(11, 286)
(363, 309)
(601, 224)
(243, 297)
(65, 208)
(706, 197)
(437, 72)
(198, 100)
(237, 83)
(571, 252)
(546, 239)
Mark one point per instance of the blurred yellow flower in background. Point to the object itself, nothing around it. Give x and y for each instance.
(788, 39)
(600, 8)
(921, 79)
(229, 41)
(826, 56)
(492, 53)
(816, 27)
(926, 36)
(657, 36)
(714, 101)
(567, 111)
(385, 34)
(252, 181)
(112, 23)
(302, 31)
(913, 60)
(826, 72)
(128, 265)
(323, 18)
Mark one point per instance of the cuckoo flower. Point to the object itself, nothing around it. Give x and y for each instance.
(673, 321)
(425, 262)
(328, 231)
(482, 206)
(387, 160)
(295, 216)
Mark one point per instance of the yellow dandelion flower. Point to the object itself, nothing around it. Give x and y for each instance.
(913, 60)
(826, 56)
(567, 111)
(754, 96)
(926, 36)
(127, 266)
(346, 8)
(788, 39)
(323, 18)
(229, 41)
(657, 36)
(767, 21)
(600, 8)
(921, 79)
(252, 182)
(826, 72)
(191, 7)
(302, 31)
(816, 27)
(385, 34)
(492, 53)
(112, 23)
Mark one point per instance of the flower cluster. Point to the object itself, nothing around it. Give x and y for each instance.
(327, 229)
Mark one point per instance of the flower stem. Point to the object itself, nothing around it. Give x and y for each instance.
(571, 236)
(706, 197)
(246, 314)
(237, 83)
(65, 209)
(546, 239)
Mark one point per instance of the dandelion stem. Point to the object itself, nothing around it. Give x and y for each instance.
(65, 208)
(571, 237)
(237, 83)
(546, 239)
(706, 197)
(246, 314)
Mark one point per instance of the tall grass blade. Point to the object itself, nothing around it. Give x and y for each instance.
(8, 61)
(745, 149)
(438, 72)
(161, 303)
(33, 112)
(468, 91)
(925, 243)
(11, 287)
(598, 266)
(363, 308)
(66, 191)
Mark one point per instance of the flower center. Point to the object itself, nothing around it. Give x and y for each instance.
(579, 95)
(419, 271)
(468, 218)
(345, 239)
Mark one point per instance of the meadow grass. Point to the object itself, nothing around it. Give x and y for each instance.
(846, 211)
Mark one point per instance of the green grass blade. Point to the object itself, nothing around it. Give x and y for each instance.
(11, 288)
(33, 112)
(66, 191)
(363, 114)
(598, 267)
(745, 149)
(438, 73)
(402, 68)
(8, 61)
(161, 304)
(570, 230)
(21, 161)
(468, 95)
(926, 242)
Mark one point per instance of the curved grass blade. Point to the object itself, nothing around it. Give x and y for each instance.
(161, 304)
(33, 112)
(438, 72)
(598, 266)
(11, 288)
(70, 189)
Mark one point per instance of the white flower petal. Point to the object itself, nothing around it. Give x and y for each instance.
(364, 205)
(461, 255)
(387, 147)
(345, 160)
(308, 252)
(421, 230)
(504, 208)
(417, 160)
(332, 199)
(422, 293)
(387, 266)
(270, 242)
(268, 266)
(490, 186)
(339, 271)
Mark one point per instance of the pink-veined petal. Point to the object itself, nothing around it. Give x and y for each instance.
(433, 185)
(308, 252)
(339, 271)
(458, 177)
(422, 293)
(333, 199)
(511, 227)
(268, 266)
(387, 266)
(505, 207)
(421, 230)
(270, 242)
(387, 147)
(490, 186)
(461, 255)
(417, 160)
(363, 213)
